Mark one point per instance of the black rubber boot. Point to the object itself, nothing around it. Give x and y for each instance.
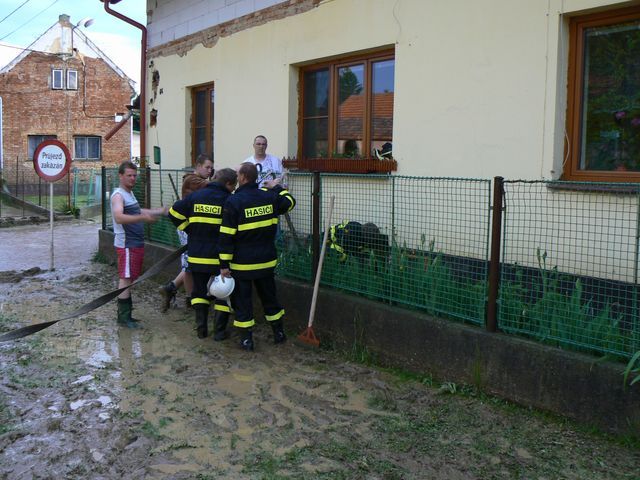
(246, 339)
(187, 303)
(168, 293)
(278, 332)
(202, 316)
(220, 320)
(124, 313)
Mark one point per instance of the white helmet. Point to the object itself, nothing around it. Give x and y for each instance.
(221, 287)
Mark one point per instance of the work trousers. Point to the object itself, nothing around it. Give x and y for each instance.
(200, 293)
(242, 301)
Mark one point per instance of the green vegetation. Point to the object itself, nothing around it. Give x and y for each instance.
(544, 304)
(99, 257)
(5, 417)
(555, 314)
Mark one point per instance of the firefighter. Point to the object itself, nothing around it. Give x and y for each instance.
(200, 216)
(248, 251)
(353, 238)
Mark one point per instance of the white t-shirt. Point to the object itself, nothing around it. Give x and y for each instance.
(268, 169)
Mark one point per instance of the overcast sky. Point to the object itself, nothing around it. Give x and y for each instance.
(117, 39)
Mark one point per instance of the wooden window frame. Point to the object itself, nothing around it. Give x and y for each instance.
(368, 59)
(207, 87)
(572, 153)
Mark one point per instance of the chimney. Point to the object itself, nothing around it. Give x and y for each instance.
(64, 20)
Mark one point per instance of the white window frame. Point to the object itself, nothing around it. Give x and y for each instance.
(86, 139)
(72, 79)
(60, 84)
(37, 140)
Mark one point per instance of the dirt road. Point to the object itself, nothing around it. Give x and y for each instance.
(86, 399)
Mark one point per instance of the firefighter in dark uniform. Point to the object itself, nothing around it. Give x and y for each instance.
(200, 216)
(248, 251)
(351, 238)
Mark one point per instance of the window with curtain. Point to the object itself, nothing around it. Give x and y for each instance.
(603, 115)
(87, 148)
(34, 140)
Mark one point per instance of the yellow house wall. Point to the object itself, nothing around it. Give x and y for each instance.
(480, 91)
(480, 85)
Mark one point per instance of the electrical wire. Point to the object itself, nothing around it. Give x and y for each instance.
(31, 19)
(15, 10)
(22, 49)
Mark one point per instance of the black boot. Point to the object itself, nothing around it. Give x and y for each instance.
(246, 340)
(220, 320)
(278, 332)
(124, 313)
(168, 293)
(202, 315)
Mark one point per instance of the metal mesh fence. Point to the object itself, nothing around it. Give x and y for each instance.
(569, 255)
(570, 265)
(22, 189)
(420, 242)
(295, 230)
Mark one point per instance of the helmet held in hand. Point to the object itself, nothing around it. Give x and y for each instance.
(222, 287)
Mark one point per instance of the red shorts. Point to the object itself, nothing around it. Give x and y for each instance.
(130, 262)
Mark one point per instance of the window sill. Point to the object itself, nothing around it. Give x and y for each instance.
(341, 165)
(593, 187)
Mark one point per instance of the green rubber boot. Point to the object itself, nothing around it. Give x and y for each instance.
(125, 306)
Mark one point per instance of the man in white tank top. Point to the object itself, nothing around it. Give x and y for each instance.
(129, 236)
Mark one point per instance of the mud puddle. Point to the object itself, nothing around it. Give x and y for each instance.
(85, 399)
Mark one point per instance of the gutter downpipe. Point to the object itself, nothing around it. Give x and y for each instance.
(143, 78)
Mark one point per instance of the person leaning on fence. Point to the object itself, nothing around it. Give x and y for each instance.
(270, 169)
(351, 238)
(248, 251)
(200, 215)
(191, 182)
(128, 231)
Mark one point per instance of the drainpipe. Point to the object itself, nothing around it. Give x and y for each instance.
(143, 76)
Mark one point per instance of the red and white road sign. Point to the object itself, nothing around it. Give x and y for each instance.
(52, 160)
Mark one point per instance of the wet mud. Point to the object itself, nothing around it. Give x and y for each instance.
(87, 399)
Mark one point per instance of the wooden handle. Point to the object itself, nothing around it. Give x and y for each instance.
(316, 284)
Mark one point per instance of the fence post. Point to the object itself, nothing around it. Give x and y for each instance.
(147, 190)
(494, 261)
(103, 194)
(316, 221)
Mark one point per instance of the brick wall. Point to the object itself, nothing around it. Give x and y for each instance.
(32, 107)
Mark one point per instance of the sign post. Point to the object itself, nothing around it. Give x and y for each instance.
(51, 161)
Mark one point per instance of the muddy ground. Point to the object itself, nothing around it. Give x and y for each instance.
(86, 399)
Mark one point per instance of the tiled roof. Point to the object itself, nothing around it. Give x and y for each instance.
(353, 106)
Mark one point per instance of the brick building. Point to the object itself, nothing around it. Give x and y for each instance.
(63, 86)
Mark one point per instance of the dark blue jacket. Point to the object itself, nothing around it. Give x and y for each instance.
(200, 216)
(248, 232)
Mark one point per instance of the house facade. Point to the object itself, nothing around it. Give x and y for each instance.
(533, 90)
(476, 89)
(64, 87)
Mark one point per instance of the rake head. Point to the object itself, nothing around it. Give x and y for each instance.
(309, 337)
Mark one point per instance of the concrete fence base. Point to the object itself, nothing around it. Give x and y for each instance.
(576, 386)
